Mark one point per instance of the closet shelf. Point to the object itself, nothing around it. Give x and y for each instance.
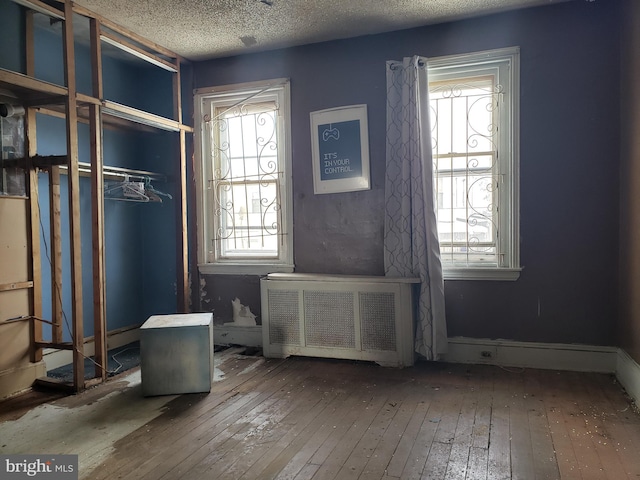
(31, 91)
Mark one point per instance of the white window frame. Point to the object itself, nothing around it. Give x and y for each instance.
(209, 261)
(506, 62)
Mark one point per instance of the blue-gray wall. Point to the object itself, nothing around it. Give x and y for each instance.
(570, 76)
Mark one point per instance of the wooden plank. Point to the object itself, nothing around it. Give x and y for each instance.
(462, 440)
(14, 252)
(41, 7)
(125, 32)
(55, 242)
(182, 229)
(34, 209)
(205, 421)
(31, 88)
(499, 457)
(355, 465)
(139, 116)
(385, 450)
(256, 430)
(16, 286)
(545, 463)
(74, 201)
(422, 446)
(56, 345)
(269, 419)
(436, 465)
(97, 209)
(136, 51)
(177, 94)
(301, 409)
(478, 464)
(339, 446)
(182, 226)
(293, 461)
(409, 439)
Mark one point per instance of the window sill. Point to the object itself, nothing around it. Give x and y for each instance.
(501, 274)
(243, 268)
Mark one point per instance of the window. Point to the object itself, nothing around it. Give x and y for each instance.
(474, 129)
(245, 188)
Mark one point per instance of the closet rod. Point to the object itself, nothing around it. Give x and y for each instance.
(119, 173)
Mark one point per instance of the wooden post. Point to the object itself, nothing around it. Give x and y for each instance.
(182, 252)
(56, 253)
(97, 208)
(34, 211)
(74, 201)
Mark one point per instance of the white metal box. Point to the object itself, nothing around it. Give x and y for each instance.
(176, 354)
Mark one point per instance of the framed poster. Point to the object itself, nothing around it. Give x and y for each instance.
(340, 149)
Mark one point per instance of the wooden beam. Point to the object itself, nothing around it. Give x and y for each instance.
(97, 209)
(56, 345)
(182, 237)
(182, 254)
(139, 116)
(15, 286)
(125, 32)
(55, 242)
(138, 52)
(26, 84)
(86, 99)
(182, 240)
(48, 161)
(35, 267)
(74, 200)
(38, 6)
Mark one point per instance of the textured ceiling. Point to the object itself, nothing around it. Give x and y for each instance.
(203, 29)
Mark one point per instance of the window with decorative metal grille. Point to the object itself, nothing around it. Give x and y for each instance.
(245, 171)
(474, 129)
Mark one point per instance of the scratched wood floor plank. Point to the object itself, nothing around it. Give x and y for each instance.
(297, 456)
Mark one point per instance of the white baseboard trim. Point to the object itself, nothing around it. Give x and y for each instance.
(628, 374)
(248, 336)
(552, 356)
(116, 338)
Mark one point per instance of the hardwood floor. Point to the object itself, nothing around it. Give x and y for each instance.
(305, 418)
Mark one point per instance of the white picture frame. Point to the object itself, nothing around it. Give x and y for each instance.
(340, 149)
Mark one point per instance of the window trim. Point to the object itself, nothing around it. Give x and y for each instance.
(511, 270)
(251, 266)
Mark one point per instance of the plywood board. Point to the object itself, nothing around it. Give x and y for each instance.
(14, 303)
(13, 240)
(14, 344)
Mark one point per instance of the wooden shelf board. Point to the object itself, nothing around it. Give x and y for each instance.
(31, 89)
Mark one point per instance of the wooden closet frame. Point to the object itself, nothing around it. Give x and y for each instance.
(45, 97)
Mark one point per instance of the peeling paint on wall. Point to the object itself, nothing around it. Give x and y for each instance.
(203, 291)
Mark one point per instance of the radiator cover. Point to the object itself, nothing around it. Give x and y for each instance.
(338, 316)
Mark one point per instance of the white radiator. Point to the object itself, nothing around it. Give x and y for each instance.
(336, 316)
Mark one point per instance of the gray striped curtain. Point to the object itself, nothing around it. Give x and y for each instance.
(411, 247)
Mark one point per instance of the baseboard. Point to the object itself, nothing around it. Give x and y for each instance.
(248, 336)
(628, 374)
(18, 379)
(116, 338)
(553, 356)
